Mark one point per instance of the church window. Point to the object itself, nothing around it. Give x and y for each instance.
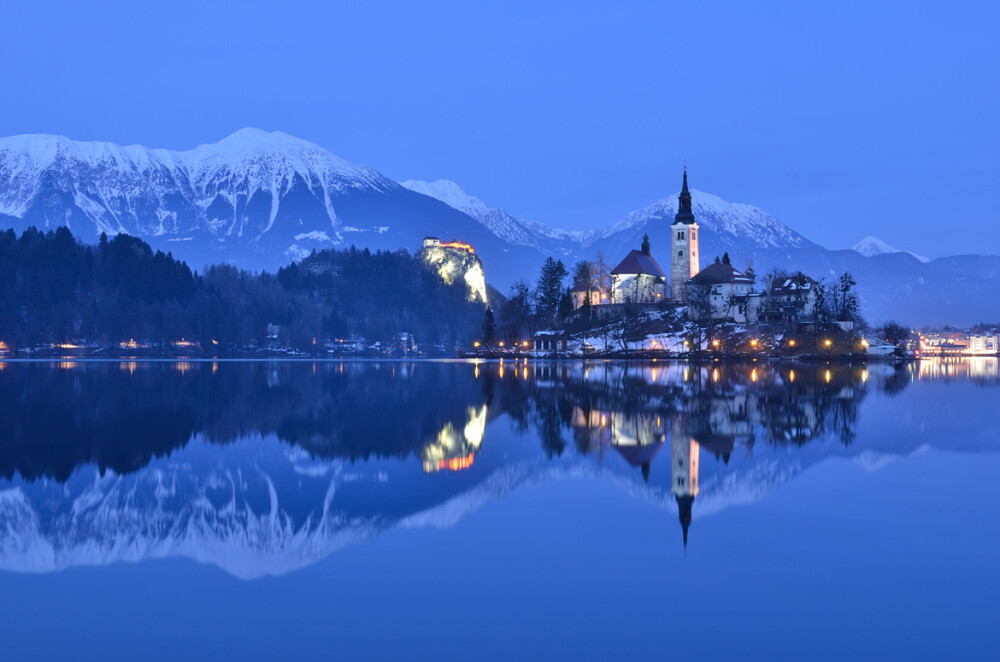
(680, 253)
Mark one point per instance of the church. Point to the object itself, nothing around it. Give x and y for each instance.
(639, 279)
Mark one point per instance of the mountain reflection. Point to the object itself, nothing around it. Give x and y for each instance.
(264, 467)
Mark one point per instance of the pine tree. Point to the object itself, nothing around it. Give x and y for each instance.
(489, 326)
(550, 289)
(725, 259)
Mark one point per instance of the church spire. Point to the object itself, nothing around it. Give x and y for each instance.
(645, 244)
(684, 512)
(684, 213)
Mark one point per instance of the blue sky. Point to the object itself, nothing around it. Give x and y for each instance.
(841, 119)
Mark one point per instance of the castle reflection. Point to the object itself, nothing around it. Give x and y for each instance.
(431, 438)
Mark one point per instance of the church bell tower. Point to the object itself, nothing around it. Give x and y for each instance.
(684, 245)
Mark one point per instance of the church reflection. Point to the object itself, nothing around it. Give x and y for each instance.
(340, 450)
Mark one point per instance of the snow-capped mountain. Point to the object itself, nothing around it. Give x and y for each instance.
(255, 198)
(871, 246)
(514, 231)
(725, 226)
(259, 199)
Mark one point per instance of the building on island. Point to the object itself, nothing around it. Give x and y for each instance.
(684, 259)
(638, 278)
(791, 299)
(720, 292)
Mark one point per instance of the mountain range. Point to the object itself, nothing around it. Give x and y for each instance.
(258, 200)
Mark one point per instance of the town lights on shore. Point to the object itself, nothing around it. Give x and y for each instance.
(753, 343)
(791, 343)
(500, 343)
(715, 343)
(524, 344)
(475, 344)
(828, 342)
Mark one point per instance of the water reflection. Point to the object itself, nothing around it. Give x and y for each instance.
(261, 468)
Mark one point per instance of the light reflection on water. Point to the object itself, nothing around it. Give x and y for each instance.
(268, 468)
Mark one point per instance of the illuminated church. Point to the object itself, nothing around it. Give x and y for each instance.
(683, 245)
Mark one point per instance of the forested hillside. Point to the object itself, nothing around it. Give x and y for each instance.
(54, 289)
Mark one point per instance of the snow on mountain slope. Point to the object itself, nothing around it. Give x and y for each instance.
(871, 246)
(731, 223)
(500, 223)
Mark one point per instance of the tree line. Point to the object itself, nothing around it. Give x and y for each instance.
(55, 289)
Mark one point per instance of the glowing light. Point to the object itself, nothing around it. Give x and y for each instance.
(67, 345)
(828, 376)
(525, 375)
(216, 342)
(475, 344)
(524, 344)
(500, 343)
(753, 343)
(791, 343)
(456, 464)
(753, 375)
(864, 343)
(791, 375)
(864, 375)
(715, 375)
(828, 342)
(3, 346)
(182, 343)
(131, 344)
(459, 245)
(715, 343)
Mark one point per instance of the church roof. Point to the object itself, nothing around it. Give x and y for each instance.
(792, 284)
(637, 262)
(684, 213)
(715, 274)
(637, 455)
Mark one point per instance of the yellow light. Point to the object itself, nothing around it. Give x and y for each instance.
(864, 375)
(753, 343)
(828, 376)
(753, 375)
(791, 343)
(715, 343)
(500, 343)
(791, 375)
(524, 344)
(715, 375)
(864, 343)
(475, 344)
(828, 342)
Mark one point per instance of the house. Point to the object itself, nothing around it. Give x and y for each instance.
(792, 299)
(579, 294)
(638, 278)
(721, 292)
(551, 341)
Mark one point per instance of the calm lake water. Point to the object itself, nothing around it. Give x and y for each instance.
(425, 510)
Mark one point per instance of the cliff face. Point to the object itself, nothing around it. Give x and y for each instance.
(454, 263)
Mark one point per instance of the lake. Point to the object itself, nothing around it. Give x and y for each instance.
(499, 510)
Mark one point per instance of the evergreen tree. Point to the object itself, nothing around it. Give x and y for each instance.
(725, 259)
(489, 326)
(550, 289)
